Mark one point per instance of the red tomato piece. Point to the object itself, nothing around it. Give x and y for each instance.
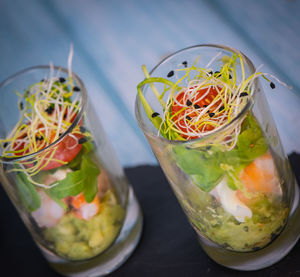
(66, 150)
(179, 120)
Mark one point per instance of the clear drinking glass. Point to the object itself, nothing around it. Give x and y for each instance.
(234, 184)
(60, 172)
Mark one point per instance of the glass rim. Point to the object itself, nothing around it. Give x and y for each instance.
(71, 127)
(244, 111)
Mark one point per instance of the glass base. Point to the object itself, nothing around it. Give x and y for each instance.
(265, 257)
(112, 258)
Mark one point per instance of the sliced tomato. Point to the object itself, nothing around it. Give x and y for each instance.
(66, 150)
(178, 110)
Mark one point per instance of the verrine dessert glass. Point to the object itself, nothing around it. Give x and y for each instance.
(204, 113)
(60, 172)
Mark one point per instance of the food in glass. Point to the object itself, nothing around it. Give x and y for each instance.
(204, 115)
(63, 177)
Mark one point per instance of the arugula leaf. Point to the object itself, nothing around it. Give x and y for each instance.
(82, 180)
(206, 168)
(91, 181)
(202, 166)
(75, 163)
(72, 185)
(27, 193)
(88, 146)
(251, 142)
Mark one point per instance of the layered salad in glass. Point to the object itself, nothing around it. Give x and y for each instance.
(61, 181)
(233, 195)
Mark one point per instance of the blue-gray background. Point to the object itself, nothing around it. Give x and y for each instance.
(113, 38)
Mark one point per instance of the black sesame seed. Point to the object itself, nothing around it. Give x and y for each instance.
(155, 114)
(272, 85)
(62, 79)
(82, 129)
(217, 73)
(196, 106)
(210, 73)
(211, 114)
(189, 103)
(76, 88)
(82, 140)
(230, 77)
(170, 74)
(49, 110)
(204, 106)
(37, 138)
(21, 105)
(5, 144)
(188, 117)
(43, 80)
(221, 108)
(243, 94)
(185, 63)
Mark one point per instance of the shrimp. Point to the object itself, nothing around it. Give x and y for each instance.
(85, 210)
(260, 177)
(49, 213)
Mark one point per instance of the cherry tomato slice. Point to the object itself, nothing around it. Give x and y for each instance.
(66, 150)
(197, 103)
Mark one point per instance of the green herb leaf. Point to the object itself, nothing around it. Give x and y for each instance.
(202, 166)
(75, 163)
(91, 181)
(27, 193)
(88, 146)
(72, 185)
(81, 180)
(251, 142)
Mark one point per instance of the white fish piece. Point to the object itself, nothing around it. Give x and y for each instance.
(229, 201)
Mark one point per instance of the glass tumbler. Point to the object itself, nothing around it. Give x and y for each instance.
(234, 183)
(60, 172)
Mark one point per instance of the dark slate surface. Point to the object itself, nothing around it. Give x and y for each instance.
(168, 246)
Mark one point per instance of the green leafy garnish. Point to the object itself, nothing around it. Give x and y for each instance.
(70, 186)
(91, 182)
(81, 180)
(251, 142)
(27, 193)
(207, 167)
(203, 167)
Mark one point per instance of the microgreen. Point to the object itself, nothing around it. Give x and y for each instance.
(234, 91)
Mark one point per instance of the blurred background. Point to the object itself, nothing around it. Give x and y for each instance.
(113, 38)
